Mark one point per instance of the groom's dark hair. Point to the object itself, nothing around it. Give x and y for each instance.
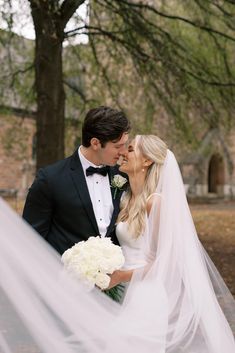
(104, 123)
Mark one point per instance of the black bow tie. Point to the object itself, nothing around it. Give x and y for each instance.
(91, 170)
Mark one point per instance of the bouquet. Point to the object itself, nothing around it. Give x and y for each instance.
(92, 261)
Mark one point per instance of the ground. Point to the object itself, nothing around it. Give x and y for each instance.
(215, 224)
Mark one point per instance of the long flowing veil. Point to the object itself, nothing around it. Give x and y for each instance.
(42, 309)
(178, 303)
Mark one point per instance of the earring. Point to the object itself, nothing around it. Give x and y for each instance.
(143, 170)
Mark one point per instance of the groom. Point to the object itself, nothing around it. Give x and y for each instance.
(71, 200)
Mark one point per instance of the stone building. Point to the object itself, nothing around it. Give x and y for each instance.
(210, 171)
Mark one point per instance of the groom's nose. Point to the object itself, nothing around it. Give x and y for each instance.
(122, 155)
(123, 151)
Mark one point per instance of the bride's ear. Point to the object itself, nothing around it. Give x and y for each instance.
(147, 162)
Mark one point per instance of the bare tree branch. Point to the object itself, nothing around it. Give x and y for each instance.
(68, 8)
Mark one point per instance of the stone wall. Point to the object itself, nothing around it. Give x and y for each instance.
(18, 152)
(17, 164)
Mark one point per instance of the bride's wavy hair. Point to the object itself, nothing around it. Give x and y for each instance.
(153, 148)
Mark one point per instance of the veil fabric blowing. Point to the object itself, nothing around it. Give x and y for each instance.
(177, 303)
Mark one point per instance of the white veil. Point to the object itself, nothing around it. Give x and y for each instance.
(170, 306)
(181, 284)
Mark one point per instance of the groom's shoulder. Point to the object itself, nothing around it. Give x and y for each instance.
(58, 167)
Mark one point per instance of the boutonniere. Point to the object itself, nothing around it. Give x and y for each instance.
(117, 183)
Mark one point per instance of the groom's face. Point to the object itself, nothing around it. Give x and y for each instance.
(111, 152)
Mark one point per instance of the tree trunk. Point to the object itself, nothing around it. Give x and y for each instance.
(50, 101)
(49, 82)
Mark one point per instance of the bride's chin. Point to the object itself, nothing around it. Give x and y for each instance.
(122, 169)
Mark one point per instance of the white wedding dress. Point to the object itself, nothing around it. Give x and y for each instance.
(132, 248)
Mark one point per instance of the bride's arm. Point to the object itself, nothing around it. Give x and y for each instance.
(153, 204)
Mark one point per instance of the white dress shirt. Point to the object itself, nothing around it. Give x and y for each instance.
(100, 194)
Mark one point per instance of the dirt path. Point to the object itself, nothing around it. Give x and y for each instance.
(215, 224)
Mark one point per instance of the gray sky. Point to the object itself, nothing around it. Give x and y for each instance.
(23, 22)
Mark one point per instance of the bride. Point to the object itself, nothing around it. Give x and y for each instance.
(175, 300)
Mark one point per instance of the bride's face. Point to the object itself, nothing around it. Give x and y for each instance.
(132, 162)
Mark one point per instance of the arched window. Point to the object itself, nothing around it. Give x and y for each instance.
(216, 174)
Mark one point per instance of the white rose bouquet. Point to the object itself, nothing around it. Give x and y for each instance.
(93, 260)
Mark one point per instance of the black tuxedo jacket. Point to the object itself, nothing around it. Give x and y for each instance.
(59, 208)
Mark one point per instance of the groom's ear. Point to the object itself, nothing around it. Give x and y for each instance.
(95, 143)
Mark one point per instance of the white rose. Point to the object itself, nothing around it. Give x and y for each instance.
(102, 281)
(118, 181)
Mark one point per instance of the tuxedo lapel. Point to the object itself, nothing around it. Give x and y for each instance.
(111, 174)
(116, 202)
(79, 181)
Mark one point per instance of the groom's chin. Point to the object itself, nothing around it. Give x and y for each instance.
(115, 162)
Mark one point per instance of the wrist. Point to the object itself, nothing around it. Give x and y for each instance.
(125, 276)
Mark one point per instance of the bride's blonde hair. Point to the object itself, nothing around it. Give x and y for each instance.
(154, 149)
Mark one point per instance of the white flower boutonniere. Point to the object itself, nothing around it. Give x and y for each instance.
(117, 182)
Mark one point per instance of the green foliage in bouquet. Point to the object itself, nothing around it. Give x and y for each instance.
(116, 293)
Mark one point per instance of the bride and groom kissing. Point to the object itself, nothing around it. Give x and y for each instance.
(169, 273)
